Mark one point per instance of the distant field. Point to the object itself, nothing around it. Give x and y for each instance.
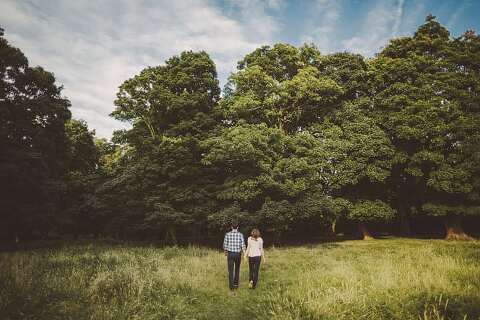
(380, 279)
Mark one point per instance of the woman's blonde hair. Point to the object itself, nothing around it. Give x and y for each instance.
(255, 233)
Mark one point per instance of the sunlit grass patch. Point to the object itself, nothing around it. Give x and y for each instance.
(382, 279)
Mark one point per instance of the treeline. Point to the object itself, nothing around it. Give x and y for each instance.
(298, 144)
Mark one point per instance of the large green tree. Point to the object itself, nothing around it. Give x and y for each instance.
(84, 174)
(33, 144)
(299, 140)
(260, 168)
(171, 109)
(281, 87)
(295, 137)
(426, 100)
(358, 157)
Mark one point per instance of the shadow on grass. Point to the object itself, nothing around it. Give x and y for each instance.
(212, 243)
(443, 306)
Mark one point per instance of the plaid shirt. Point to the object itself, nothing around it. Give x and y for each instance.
(234, 241)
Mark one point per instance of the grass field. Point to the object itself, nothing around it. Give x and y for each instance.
(380, 279)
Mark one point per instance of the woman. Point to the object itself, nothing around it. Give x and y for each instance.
(254, 253)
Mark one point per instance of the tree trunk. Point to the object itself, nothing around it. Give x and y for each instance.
(405, 229)
(195, 238)
(278, 237)
(333, 228)
(454, 230)
(171, 235)
(364, 231)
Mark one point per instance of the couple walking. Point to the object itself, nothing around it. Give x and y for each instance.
(233, 246)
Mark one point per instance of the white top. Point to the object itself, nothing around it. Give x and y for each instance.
(255, 247)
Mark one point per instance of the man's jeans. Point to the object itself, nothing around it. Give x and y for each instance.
(233, 259)
(254, 267)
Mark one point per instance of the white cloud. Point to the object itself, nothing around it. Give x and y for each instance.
(327, 12)
(93, 46)
(456, 14)
(378, 28)
(415, 16)
(398, 17)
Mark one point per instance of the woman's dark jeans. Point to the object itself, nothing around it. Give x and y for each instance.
(233, 259)
(254, 267)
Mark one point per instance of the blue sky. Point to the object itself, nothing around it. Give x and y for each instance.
(93, 46)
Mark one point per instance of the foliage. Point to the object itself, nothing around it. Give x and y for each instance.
(298, 140)
(159, 176)
(170, 99)
(278, 87)
(426, 101)
(33, 152)
(365, 210)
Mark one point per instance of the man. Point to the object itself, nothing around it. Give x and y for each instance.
(233, 245)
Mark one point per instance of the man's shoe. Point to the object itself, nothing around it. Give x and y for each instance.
(250, 284)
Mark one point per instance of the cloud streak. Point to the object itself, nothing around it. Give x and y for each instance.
(457, 13)
(327, 13)
(377, 29)
(398, 17)
(92, 47)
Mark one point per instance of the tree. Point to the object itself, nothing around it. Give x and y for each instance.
(222, 219)
(33, 157)
(358, 157)
(83, 154)
(348, 70)
(172, 109)
(425, 99)
(109, 155)
(278, 216)
(280, 62)
(298, 141)
(164, 217)
(295, 91)
(367, 211)
(172, 99)
(80, 182)
(260, 168)
(244, 157)
(278, 87)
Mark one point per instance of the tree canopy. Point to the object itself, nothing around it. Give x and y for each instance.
(34, 146)
(298, 143)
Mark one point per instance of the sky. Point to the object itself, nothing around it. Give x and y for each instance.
(93, 46)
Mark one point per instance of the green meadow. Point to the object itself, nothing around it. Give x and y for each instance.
(379, 279)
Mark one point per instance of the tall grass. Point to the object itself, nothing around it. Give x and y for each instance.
(382, 279)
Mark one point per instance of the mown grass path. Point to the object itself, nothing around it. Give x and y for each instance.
(380, 279)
